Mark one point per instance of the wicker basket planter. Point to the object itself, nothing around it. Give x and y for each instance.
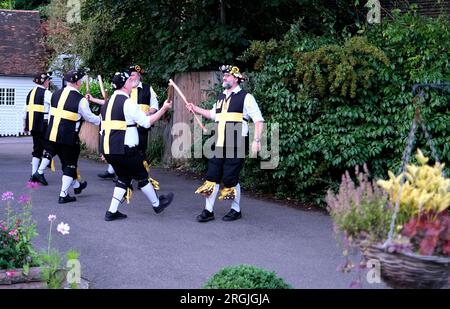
(410, 271)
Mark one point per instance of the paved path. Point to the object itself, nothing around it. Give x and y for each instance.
(172, 250)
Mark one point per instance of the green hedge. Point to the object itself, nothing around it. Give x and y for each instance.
(245, 277)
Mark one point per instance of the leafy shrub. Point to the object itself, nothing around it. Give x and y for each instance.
(94, 90)
(245, 277)
(335, 118)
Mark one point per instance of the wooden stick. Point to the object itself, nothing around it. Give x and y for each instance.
(172, 83)
(102, 89)
(87, 84)
(170, 92)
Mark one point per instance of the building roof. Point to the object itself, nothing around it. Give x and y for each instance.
(21, 50)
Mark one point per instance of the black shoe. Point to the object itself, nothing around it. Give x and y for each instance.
(40, 178)
(67, 199)
(32, 179)
(106, 175)
(109, 216)
(205, 216)
(82, 186)
(164, 201)
(232, 215)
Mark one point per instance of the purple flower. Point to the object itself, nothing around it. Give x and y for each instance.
(32, 185)
(23, 199)
(7, 196)
(355, 284)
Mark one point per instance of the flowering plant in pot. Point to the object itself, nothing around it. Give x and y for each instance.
(417, 253)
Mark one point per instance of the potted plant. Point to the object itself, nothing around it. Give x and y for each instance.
(417, 251)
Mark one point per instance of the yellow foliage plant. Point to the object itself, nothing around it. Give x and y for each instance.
(425, 190)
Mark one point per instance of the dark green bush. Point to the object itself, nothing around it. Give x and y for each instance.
(245, 277)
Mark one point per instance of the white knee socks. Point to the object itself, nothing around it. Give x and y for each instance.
(110, 169)
(66, 182)
(209, 205)
(44, 163)
(34, 165)
(237, 199)
(150, 193)
(117, 198)
(75, 184)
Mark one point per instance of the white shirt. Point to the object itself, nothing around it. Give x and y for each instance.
(47, 99)
(84, 111)
(251, 110)
(153, 97)
(133, 115)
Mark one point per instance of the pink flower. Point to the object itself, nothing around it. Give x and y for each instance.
(63, 228)
(13, 232)
(23, 199)
(9, 274)
(32, 185)
(51, 218)
(7, 196)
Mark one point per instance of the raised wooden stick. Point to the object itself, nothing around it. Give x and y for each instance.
(87, 84)
(170, 92)
(102, 88)
(180, 93)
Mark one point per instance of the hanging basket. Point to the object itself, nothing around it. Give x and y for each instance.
(410, 271)
(402, 269)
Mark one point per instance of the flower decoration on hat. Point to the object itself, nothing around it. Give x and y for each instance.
(42, 77)
(135, 68)
(232, 70)
(119, 79)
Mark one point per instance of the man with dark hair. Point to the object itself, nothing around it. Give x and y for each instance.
(68, 109)
(119, 140)
(233, 109)
(145, 97)
(36, 119)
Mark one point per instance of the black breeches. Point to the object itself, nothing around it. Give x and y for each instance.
(225, 169)
(68, 154)
(143, 140)
(129, 166)
(39, 142)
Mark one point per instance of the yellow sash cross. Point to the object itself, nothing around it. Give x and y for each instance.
(59, 113)
(134, 99)
(31, 108)
(108, 125)
(222, 118)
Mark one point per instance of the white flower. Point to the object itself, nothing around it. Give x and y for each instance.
(51, 218)
(63, 228)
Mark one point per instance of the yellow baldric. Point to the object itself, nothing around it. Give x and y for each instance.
(31, 108)
(134, 99)
(59, 113)
(108, 125)
(222, 118)
(134, 95)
